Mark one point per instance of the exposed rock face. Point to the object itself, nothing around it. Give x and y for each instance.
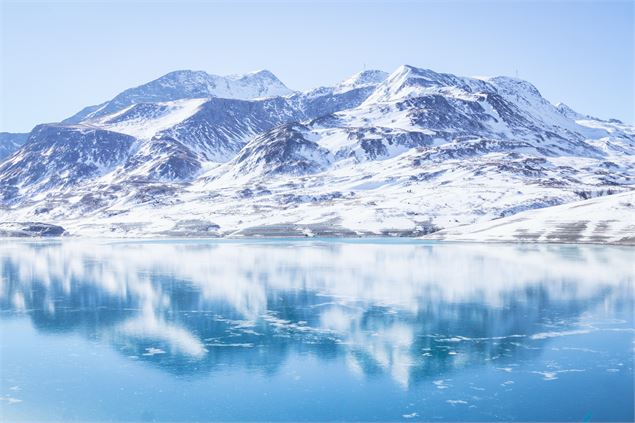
(30, 229)
(283, 150)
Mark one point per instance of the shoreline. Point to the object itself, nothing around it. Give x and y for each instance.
(362, 239)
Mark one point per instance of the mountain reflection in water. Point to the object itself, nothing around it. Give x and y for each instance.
(415, 312)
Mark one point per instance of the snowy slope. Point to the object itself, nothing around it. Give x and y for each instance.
(609, 219)
(144, 120)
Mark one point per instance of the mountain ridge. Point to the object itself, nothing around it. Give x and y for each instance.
(405, 153)
(182, 84)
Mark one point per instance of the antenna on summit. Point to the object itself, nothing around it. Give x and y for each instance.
(516, 73)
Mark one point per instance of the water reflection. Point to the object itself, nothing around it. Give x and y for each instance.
(413, 311)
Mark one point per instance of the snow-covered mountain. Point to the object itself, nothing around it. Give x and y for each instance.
(406, 153)
(189, 84)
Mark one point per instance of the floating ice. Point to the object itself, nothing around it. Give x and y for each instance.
(545, 335)
(440, 384)
(237, 344)
(553, 375)
(153, 351)
(548, 375)
(455, 402)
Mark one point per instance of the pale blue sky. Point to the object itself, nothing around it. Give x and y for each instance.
(58, 57)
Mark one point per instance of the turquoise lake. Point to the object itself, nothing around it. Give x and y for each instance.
(316, 330)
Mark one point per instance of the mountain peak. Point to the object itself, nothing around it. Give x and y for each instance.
(189, 84)
(179, 73)
(371, 75)
(254, 75)
(179, 79)
(409, 81)
(363, 79)
(263, 73)
(405, 68)
(510, 85)
(413, 71)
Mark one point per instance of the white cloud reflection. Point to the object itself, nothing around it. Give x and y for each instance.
(344, 281)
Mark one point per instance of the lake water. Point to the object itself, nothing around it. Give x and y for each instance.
(315, 330)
